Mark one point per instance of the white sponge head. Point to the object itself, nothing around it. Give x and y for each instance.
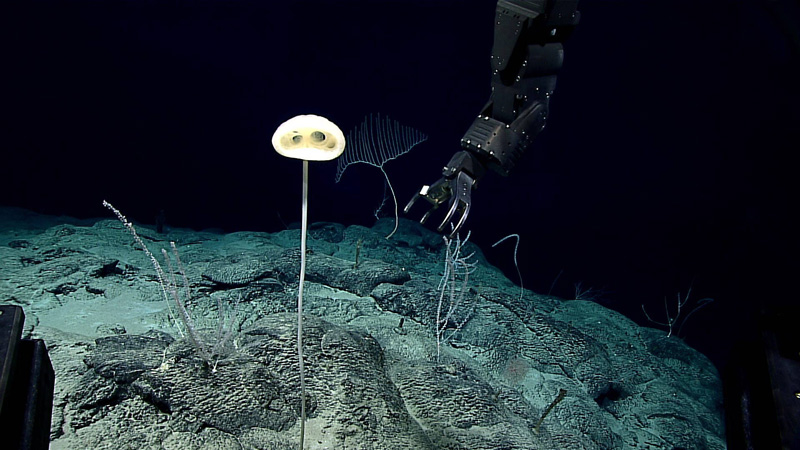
(309, 137)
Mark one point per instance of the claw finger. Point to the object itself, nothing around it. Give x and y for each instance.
(426, 216)
(411, 202)
(461, 220)
(450, 213)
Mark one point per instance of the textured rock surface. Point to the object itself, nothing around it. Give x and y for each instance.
(127, 379)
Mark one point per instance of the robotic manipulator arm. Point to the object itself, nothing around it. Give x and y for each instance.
(526, 55)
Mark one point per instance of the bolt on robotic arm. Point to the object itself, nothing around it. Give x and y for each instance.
(526, 55)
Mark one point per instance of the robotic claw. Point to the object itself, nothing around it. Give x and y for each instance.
(526, 55)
